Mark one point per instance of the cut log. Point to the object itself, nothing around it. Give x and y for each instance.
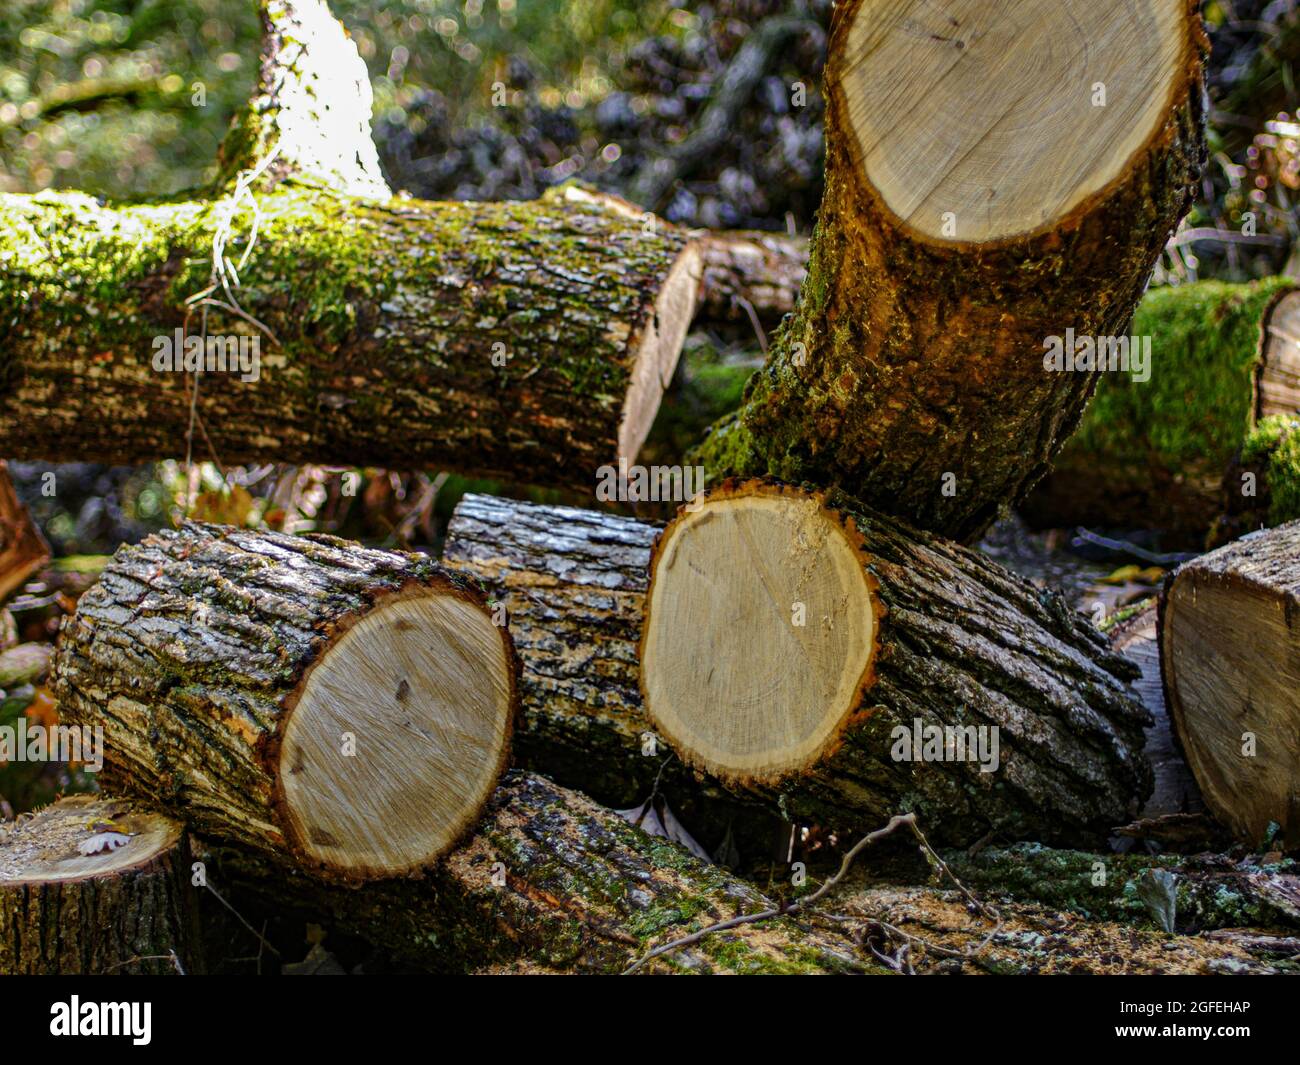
(553, 880)
(952, 241)
(525, 341)
(1153, 453)
(23, 549)
(346, 709)
(841, 667)
(751, 275)
(94, 886)
(1230, 659)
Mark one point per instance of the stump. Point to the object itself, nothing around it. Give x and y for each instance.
(347, 708)
(94, 886)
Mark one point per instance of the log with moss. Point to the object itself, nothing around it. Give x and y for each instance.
(1208, 891)
(95, 886)
(552, 881)
(1230, 662)
(1155, 445)
(343, 709)
(951, 243)
(331, 321)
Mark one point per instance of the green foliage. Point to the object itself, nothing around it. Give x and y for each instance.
(1275, 443)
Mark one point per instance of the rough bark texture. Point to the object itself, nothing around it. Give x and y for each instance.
(963, 642)
(910, 358)
(141, 919)
(495, 339)
(1153, 454)
(1230, 663)
(192, 650)
(577, 889)
(573, 582)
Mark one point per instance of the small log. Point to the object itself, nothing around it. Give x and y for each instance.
(950, 243)
(346, 709)
(94, 886)
(1230, 661)
(1154, 453)
(839, 667)
(23, 549)
(555, 881)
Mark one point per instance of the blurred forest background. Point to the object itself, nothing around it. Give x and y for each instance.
(129, 99)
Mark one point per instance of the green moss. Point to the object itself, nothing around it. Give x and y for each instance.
(1274, 445)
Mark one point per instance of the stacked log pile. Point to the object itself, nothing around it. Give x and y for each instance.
(809, 640)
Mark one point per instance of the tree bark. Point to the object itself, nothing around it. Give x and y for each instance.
(522, 341)
(751, 275)
(940, 264)
(795, 644)
(1154, 454)
(553, 882)
(344, 709)
(93, 886)
(1230, 661)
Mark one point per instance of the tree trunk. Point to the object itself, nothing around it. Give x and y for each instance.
(347, 708)
(1230, 659)
(92, 886)
(552, 881)
(1153, 453)
(840, 668)
(951, 244)
(524, 341)
(751, 275)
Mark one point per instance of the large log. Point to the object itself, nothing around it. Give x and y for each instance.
(951, 242)
(552, 881)
(1230, 659)
(345, 709)
(523, 341)
(92, 886)
(1153, 453)
(840, 667)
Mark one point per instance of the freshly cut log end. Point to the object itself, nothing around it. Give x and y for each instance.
(838, 666)
(788, 577)
(95, 886)
(981, 198)
(1230, 660)
(432, 676)
(1278, 380)
(988, 111)
(344, 709)
(662, 337)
